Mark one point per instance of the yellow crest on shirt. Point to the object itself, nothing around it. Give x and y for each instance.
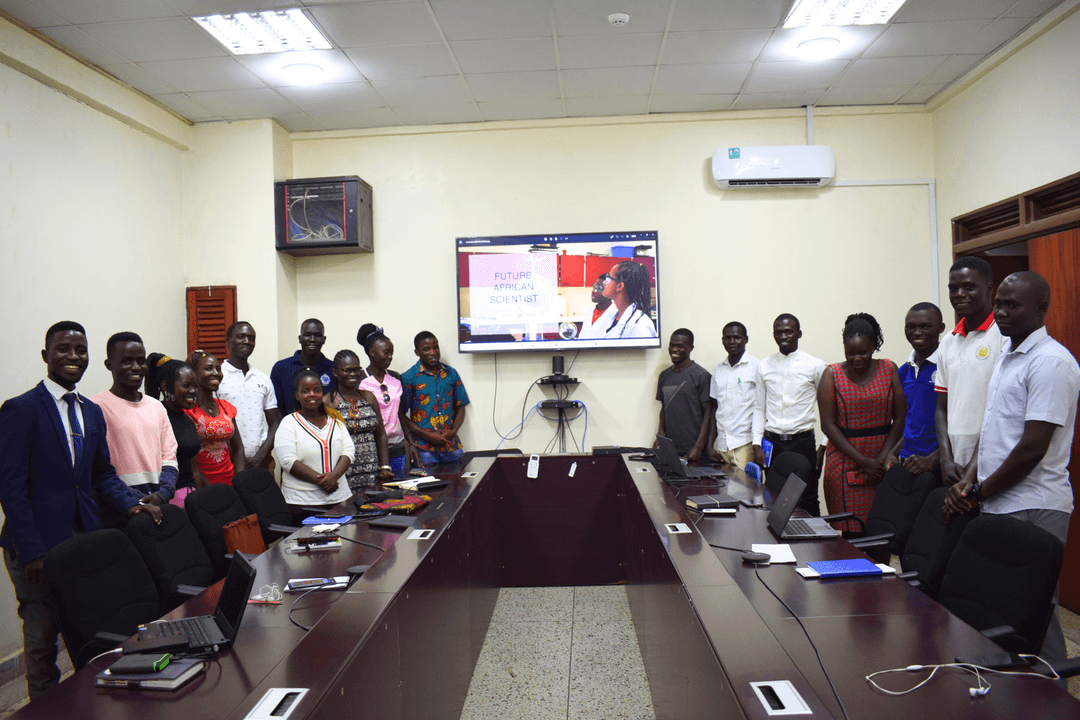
(983, 352)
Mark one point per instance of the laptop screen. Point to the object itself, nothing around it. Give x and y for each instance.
(669, 456)
(785, 503)
(234, 596)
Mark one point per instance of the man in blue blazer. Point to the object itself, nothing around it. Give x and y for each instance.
(53, 457)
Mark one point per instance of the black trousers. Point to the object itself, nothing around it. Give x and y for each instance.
(807, 447)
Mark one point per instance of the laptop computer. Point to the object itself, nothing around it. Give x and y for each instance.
(669, 457)
(206, 632)
(800, 528)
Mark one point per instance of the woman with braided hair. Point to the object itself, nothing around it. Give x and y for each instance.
(630, 292)
(173, 382)
(360, 410)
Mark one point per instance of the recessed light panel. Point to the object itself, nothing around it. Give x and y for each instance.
(827, 13)
(272, 31)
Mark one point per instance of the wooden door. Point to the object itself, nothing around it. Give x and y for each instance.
(210, 310)
(1057, 258)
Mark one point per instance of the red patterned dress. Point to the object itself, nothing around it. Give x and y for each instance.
(864, 411)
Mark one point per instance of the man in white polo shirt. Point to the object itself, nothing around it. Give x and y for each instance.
(251, 392)
(965, 360)
(1027, 430)
(732, 390)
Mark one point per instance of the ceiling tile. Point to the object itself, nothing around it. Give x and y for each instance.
(693, 15)
(203, 74)
(337, 68)
(783, 44)
(574, 17)
(921, 93)
(792, 76)
(690, 103)
(490, 87)
(493, 19)
(602, 82)
(336, 98)
(98, 11)
(771, 100)
(151, 40)
(375, 117)
(715, 46)
(606, 106)
(940, 38)
(877, 95)
(31, 12)
(444, 90)
(492, 56)
(701, 79)
(521, 109)
(439, 114)
(609, 50)
(996, 35)
(86, 47)
(1031, 8)
(377, 23)
(297, 122)
(391, 62)
(141, 80)
(953, 68)
(244, 104)
(186, 107)
(937, 10)
(889, 71)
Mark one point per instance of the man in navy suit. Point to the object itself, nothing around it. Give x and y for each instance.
(53, 456)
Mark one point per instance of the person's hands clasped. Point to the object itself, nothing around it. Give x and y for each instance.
(918, 464)
(951, 473)
(958, 501)
(152, 510)
(873, 469)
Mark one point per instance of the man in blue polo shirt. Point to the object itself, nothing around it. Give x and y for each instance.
(312, 337)
(918, 449)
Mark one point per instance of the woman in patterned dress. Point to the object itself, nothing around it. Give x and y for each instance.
(364, 422)
(222, 454)
(862, 407)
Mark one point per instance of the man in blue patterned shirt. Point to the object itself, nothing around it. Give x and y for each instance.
(437, 403)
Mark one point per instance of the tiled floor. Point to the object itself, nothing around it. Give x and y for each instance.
(567, 653)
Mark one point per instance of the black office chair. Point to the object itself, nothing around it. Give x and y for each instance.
(931, 542)
(897, 502)
(100, 585)
(782, 466)
(1001, 580)
(210, 509)
(262, 496)
(173, 554)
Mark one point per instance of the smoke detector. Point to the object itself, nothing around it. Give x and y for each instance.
(618, 19)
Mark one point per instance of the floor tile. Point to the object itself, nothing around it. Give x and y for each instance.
(554, 604)
(605, 602)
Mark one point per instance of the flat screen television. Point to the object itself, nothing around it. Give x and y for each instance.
(558, 292)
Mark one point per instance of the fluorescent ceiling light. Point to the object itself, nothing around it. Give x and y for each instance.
(822, 48)
(824, 13)
(271, 31)
(302, 74)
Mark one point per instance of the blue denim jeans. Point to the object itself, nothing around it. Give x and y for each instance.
(441, 458)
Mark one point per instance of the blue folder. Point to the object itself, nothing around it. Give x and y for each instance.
(844, 568)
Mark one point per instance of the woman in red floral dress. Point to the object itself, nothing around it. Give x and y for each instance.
(222, 454)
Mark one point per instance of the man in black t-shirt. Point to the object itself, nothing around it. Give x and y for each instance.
(683, 392)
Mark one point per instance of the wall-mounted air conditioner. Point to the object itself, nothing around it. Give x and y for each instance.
(782, 166)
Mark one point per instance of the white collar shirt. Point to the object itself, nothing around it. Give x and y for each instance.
(931, 359)
(58, 392)
(733, 387)
(252, 394)
(786, 394)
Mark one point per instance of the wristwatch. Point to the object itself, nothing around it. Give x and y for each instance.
(386, 467)
(975, 490)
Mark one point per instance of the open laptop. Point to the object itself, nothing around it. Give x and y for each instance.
(206, 632)
(669, 456)
(800, 528)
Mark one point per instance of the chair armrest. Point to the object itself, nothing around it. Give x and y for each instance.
(998, 633)
(189, 590)
(282, 529)
(111, 639)
(862, 542)
(909, 575)
(873, 544)
(837, 517)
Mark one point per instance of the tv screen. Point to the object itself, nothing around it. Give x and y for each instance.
(558, 292)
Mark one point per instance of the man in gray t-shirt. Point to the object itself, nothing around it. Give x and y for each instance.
(683, 392)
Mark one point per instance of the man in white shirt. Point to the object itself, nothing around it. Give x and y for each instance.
(733, 389)
(1027, 430)
(251, 392)
(785, 404)
(966, 359)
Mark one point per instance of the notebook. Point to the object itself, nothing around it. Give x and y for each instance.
(845, 568)
(669, 457)
(798, 529)
(205, 632)
(716, 500)
(171, 677)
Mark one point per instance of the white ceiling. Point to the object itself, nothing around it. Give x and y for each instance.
(418, 62)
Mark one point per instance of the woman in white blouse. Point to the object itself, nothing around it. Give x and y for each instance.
(313, 448)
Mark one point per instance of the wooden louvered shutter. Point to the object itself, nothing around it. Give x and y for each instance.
(210, 311)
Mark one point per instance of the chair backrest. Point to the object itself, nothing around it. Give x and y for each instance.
(897, 502)
(210, 509)
(172, 551)
(781, 468)
(931, 541)
(1004, 572)
(262, 496)
(100, 584)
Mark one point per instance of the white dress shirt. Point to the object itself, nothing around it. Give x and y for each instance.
(734, 388)
(786, 395)
(252, 394)
(58, 392)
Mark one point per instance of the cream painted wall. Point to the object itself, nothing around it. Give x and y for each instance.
(723, 255)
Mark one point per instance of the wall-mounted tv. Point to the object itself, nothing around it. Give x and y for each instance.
(558, 292)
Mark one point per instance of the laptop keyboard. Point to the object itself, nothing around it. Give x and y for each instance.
(795, 526)
(191, 628)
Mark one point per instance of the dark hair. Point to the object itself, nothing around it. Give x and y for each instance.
(196, 357)
(368, 335)
(739, 325)
(635, 277)
(342, 354)
(63, 326)
(161, 369)
(686, 333)
(312, 320)
(601, 277)
(120, 337)
(422, 336)
(863, 325)
(974, 263)
(229, 330)
(303, 373)
(920, 307)
(787, 316)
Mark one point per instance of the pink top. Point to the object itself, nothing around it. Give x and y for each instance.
(214, 434)
(140, 437)
(388, 410)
